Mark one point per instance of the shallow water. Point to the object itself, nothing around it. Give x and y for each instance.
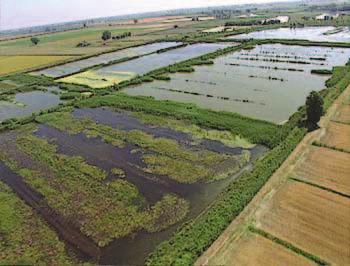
(28, 103)
(307, 33)
(73, 67)
(247, 82)
(151, 62)
(124, 120)
(133, 250)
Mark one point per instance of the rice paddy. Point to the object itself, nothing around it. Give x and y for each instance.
(145, 64)
(11, 64)
(24, 104)
(76, 66)
(320, 34)
(262, 83)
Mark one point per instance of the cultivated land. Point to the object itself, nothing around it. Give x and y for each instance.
(298, 214)
(253, 250)
(119, 179)
(11, 64)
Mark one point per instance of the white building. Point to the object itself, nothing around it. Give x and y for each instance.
(326, 16)
(276, 20)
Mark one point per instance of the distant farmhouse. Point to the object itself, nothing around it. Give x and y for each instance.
(326, 16)
(276, 20)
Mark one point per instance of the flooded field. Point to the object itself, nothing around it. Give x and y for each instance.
(73, 67)
(320, 34)
(27, 103)
(113, 74)
(125, 183)
(263, 83)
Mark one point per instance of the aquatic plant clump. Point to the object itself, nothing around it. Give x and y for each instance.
(163, 156)
(25, 238)
(79, 192)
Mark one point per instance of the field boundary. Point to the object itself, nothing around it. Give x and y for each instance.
(288, 245)
(319, 186)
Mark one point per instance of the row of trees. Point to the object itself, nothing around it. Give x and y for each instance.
(106, 35)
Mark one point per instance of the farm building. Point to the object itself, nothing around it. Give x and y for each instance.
(326, 16)
(276, 20)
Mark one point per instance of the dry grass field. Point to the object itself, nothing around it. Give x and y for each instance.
(327, 168)
(253, 250)
(10, 64)
(315, 220)
(337, 135)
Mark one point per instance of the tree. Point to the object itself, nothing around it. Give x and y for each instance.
(314, 109)
(106, 35)
(136, 21)
(35, 40)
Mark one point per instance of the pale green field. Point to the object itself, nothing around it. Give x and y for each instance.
(97, 80)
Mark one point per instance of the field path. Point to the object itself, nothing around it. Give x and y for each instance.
(219, 252)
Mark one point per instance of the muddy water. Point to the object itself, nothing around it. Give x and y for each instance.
(124, 120)
(28, 103)
(245, 83)
(133, 250)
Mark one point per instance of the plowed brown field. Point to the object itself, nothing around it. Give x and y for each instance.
(326, 167)
(312, 219)
(337, 135)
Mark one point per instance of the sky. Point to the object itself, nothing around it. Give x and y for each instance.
(25, 13)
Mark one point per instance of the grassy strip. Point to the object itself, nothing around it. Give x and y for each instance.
(321, 71)
(25, 239)
(339, 81)
(341, 122)
(194, 237)
(288, 245)
(320, 187)
(303, 43)
(319, 144)
(255, 131)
